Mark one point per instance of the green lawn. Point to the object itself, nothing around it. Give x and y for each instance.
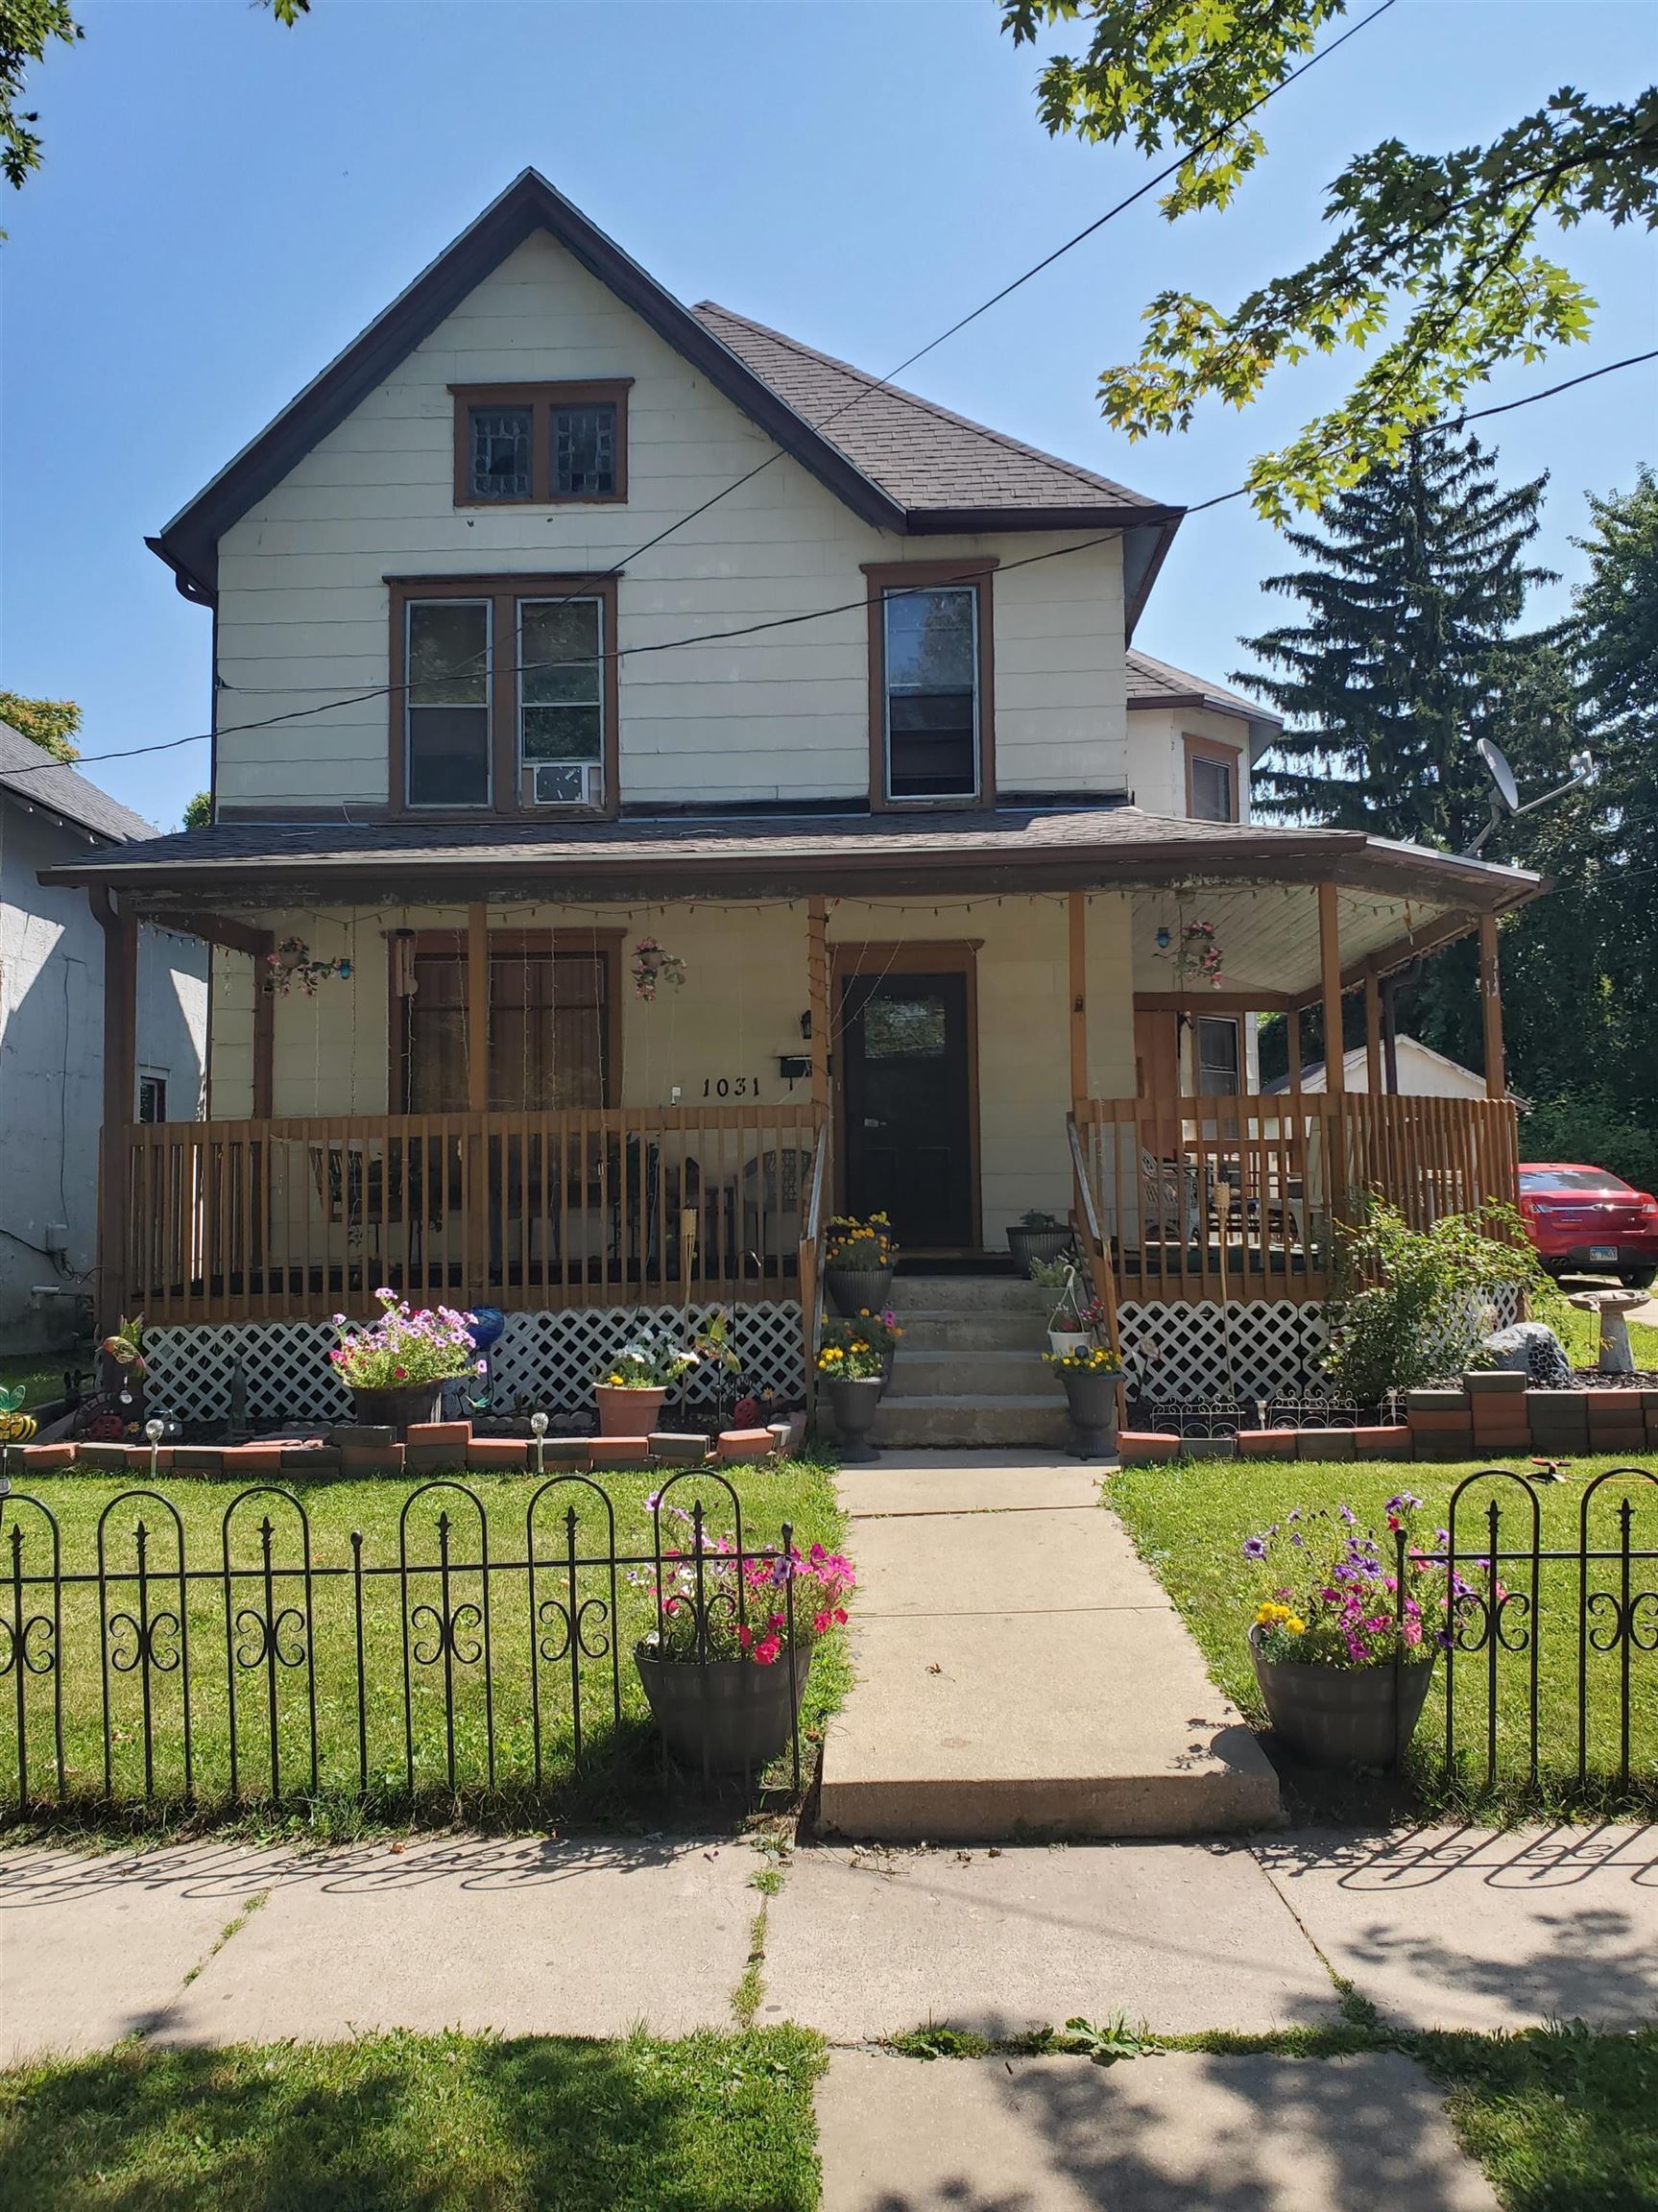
(41, 1373)
(618, 1777)
(1189, 1521)
(1562, 2120)
(445, 2122)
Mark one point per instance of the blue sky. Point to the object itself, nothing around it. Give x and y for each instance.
(225, 203)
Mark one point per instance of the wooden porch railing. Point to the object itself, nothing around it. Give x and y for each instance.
(298, 1219)
(1239, 1198)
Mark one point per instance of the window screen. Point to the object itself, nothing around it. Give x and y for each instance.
(447, 703)
(932, 693)
(560, 712)
(1218, 1057)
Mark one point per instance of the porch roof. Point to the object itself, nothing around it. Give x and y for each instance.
(867, 856)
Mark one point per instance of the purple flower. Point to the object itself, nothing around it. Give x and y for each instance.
(1255, 1547)
(1350, 1516)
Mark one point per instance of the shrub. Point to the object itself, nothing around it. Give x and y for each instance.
(1591, 1126)
(1420, 1302)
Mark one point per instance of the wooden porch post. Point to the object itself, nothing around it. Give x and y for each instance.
(1292, 1044)
(477, 1009)
(1491, 1005)
(817, 990)
(1078, 998)
(120, 1081)
(1330, 966)
(264, 1033)
(1372, 1035)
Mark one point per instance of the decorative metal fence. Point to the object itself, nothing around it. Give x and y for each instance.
(267, 1674)
(1545, 1642)
(1211, 1418)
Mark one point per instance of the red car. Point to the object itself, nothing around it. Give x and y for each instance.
(1584, 1221)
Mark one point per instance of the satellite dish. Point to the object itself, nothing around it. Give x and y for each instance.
(1502, 775)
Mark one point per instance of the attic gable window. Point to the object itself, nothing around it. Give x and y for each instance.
(540, 445)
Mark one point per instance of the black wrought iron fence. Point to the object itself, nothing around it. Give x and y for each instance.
(271, 1674)
(1543, 1673)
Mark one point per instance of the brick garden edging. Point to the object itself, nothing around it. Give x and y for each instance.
(1492, 1416)
(433, 1448)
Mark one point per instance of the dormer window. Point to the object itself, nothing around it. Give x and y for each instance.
(931, 704)
(1211, 780)
(540, 445)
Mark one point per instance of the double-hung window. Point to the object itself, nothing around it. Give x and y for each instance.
(930, 646)
(504, 694)
(1212, 782)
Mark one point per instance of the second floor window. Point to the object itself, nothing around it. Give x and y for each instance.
(930, 703)
(507, 694)
(1212, 782)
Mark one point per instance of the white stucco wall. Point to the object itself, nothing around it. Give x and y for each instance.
(52, 1061)
(304, 602)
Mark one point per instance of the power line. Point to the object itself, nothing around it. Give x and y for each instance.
(810, 614)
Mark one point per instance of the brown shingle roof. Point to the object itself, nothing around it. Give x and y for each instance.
(925, 457)
(1156, 684)
(32, 775)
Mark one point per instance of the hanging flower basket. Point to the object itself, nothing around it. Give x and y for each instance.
(291, 967)
(653, 964)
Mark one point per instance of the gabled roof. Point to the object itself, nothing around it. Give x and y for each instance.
(935, 464)
(1155, 684)
(31, 775)
(912, 468)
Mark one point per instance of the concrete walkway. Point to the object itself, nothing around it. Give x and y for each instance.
(1019, 1672)
(209, 1943)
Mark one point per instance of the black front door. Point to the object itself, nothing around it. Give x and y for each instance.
(904, 1053)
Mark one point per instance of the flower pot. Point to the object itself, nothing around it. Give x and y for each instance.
(723, 1716)
(1343, 1717)
(856, 1291)
(1064, 1341)
(855, 1406)
(886, 1360)
(1028, 1245)
(1092, 1399)
(397, 1407)
(628, 1412)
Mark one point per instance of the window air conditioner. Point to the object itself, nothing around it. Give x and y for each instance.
(564, 783)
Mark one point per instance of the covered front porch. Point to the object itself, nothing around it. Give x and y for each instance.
(645, 1072)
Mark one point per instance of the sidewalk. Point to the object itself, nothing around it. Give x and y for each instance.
(209, 1943)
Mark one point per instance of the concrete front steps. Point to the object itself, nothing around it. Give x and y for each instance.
(969, 1372)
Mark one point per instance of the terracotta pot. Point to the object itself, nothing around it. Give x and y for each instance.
(723, 1716)
(397, 1407)
(628, 1412)
(1341, 1717)
(856, 1291)
(855, 1405)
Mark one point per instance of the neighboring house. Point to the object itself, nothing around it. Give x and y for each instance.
(863, 743)
(1421, 1073)
(52, 1040)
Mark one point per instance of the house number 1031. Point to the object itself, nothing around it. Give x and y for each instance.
(731, 1086)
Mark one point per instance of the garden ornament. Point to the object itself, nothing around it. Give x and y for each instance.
(1613, 1307)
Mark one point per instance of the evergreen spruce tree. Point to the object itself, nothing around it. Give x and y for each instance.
(1413, 588)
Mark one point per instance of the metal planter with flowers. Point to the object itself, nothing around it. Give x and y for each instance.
(395, 1367)
(1342, 1648)
(851, 1374)
(726, 1668)
(858, 1263)
(1089, 1376)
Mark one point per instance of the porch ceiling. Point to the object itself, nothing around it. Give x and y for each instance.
(1268, 936)
(863, 855)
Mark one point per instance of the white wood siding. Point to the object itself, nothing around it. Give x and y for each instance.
(303, 604)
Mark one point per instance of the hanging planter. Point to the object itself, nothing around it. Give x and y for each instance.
(291, 967)
(654, 964)
(1196, 954)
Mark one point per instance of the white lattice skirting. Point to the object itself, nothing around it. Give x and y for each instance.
(1270, 1349)
(547, 1359)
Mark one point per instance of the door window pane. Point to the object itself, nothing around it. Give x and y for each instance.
(932, 693)
(1217, 1058)
(584, 452)
(498, 460)
(448, 710)
(1211, 790)
(903, 1029)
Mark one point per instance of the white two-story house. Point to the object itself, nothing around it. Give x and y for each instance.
(670, 787)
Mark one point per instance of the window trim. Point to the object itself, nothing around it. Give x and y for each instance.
(157, 1076)
(604, 942)
(967, 570)
(502, 594)
(542, 400)
(1228, 756)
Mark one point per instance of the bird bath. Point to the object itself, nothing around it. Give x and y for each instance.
(1613, 1308)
